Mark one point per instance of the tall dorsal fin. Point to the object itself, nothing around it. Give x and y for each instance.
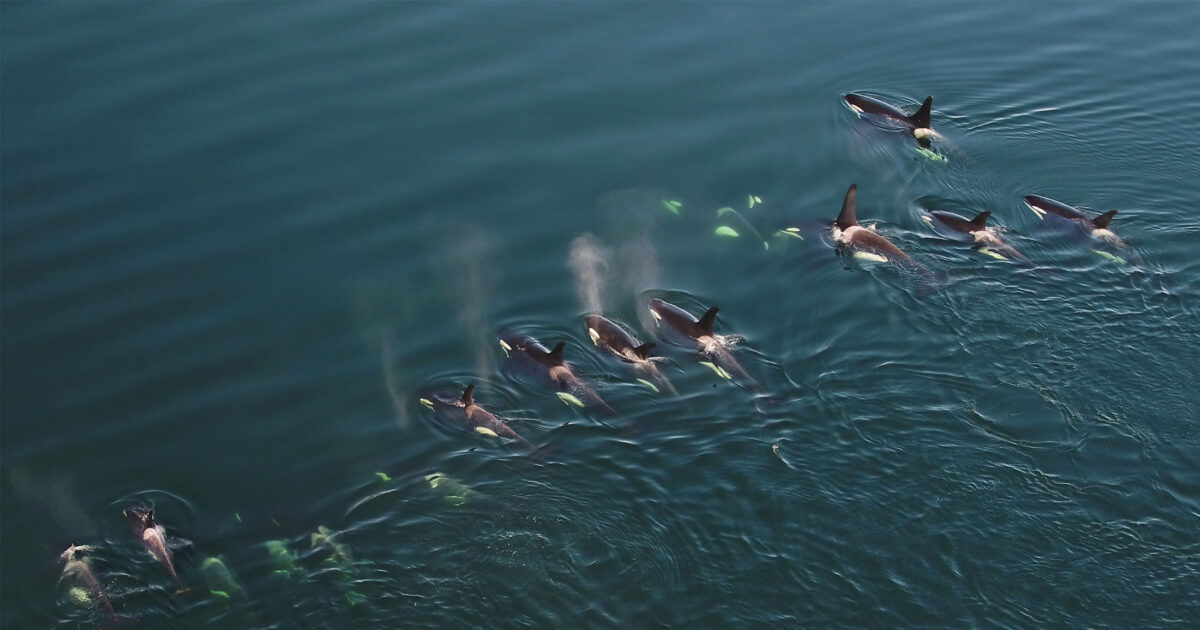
(980, 220)
(148, 519)
(1101, 222)
(556, 355)
(705, 325)
(920, 120)
(847, 218)
(468, 398)
(643, 351)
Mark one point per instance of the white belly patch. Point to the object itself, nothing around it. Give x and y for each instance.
(869, 256)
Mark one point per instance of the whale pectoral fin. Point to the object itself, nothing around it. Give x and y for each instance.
(718, 370)
(725, 230)
(705, 325)
(569, 399)
(651, 386)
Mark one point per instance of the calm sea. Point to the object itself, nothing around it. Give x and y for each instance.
(243, 240)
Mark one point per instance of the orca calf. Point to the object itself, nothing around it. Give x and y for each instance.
(681, 328)
(986, 238)
(917, 124)
(548, 366)
(610, 336)
(466, 413)
(1096, 227)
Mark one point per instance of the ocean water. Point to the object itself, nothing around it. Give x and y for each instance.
(242, 241)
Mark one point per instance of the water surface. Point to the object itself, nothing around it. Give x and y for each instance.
(240, 240)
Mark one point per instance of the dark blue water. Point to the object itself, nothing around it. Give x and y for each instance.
(241, 241)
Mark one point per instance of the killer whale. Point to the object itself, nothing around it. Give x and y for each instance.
(685, 330)
(918, 123)
(548, 366)
(847, 232)
(867, 244)
(153, 537)
(77, 570)
(977, 229)
(1096, 227)
(467, 413)
(610, 336)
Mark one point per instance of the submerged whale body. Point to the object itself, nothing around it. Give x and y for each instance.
(78, 573)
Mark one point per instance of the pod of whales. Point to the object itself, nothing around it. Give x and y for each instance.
(672, 325)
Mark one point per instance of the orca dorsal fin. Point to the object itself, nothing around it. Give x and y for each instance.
(705, 325)
(849, 207)
(1101, 222)
(148, 519)
(468, 398)
(980, 220)
(556, 355)
(920, 120)
(643, 351)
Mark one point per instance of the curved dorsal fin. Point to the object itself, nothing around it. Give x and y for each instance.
(148, 520)
(468, 398)
(980, 219)
(920, 119)
(849, 204)
(705, 325)
(556, 355)
(1101, 222)
(643, 351)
